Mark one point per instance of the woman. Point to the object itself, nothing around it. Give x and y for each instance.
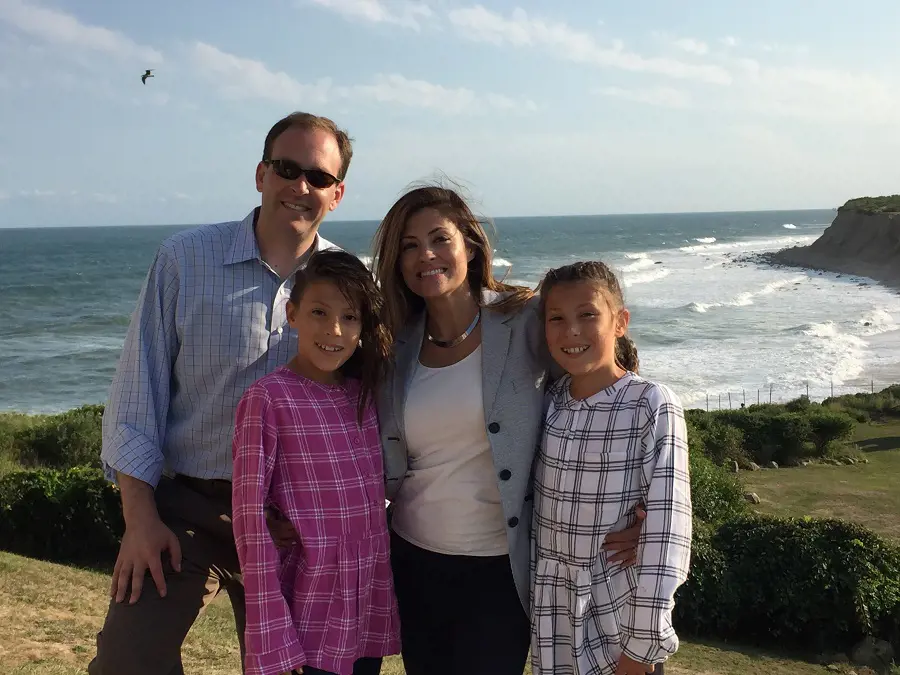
(460, 419)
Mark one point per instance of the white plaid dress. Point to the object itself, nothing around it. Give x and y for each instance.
(599, 457)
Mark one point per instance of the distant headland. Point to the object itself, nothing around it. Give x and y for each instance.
(863, 240)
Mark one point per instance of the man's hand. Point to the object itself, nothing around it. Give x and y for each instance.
(626, 541)
(145, 539)
(281, 530)
(142, 546)
(628, 666)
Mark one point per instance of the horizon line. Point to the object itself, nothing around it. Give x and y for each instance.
(491, 218)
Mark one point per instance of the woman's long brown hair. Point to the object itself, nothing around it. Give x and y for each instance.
(369, 361)
(400, 302)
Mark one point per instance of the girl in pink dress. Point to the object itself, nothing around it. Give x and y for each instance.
(306, 444)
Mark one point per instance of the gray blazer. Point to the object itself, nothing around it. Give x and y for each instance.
(515, 371)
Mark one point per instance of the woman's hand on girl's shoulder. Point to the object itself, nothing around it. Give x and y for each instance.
(625, 542)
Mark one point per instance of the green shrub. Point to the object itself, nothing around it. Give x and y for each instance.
(872, 205)
(767, 432)
(829, 427)
(698, 609)
(754, 424)
(13, 427)
(63, 516)
(787, 436)
(863, 407)
(695, 437)
(798, 404)
(724, 442)
(716, 495)
(62, 441)
(717, 440)
(804, 583)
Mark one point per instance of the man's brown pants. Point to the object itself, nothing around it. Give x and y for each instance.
(146, 638)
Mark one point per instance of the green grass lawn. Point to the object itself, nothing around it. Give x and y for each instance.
(868, 494)
(50, 614)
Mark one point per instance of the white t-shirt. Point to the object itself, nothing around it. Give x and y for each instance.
(449, 501)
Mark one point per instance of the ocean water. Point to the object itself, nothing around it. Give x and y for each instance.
(705, 322)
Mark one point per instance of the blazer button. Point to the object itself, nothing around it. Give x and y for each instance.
(493, 427)
(512, 522)
(506, 474)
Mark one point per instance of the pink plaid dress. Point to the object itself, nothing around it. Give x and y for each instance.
(329, 600)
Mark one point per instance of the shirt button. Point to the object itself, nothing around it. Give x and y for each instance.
(493, 427)
(506, 474)
(512, 522)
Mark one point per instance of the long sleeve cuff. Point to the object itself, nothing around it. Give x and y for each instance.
(275, 663)
(131, 452)
(650, 651)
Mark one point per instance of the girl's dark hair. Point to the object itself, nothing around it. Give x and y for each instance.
(369, 362)
(599, 273)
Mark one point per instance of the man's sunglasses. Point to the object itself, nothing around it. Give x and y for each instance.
(290, 170)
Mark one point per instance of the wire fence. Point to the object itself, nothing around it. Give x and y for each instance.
(781, 393)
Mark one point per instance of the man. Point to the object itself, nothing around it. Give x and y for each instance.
(210, 320)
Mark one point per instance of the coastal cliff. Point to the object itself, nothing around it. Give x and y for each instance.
(863, 240)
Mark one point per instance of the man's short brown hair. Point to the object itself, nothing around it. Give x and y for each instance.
(311, 122)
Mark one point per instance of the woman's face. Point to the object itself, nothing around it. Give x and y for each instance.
(434, 256)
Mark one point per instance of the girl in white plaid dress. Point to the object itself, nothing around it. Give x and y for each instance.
(611, 440)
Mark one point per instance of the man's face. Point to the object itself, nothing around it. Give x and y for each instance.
(295, 205)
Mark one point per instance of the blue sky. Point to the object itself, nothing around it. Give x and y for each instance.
(539, 108)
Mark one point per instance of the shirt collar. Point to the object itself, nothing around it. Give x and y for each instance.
(567, 401)
(244, 246)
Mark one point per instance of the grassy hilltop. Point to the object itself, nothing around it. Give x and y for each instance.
(873, 205)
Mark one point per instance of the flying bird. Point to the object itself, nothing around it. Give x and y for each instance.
(146, 75)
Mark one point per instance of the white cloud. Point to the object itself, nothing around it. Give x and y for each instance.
(665, 97)
(520, 30)
(403, 13)
(774, 48)
(730, 41)
(104, 198)
(243, 78)
(822, 95)
(64, 30)
(36, 193)
(239, 78)
(692, 46)
(421, 94)
(502, 102)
